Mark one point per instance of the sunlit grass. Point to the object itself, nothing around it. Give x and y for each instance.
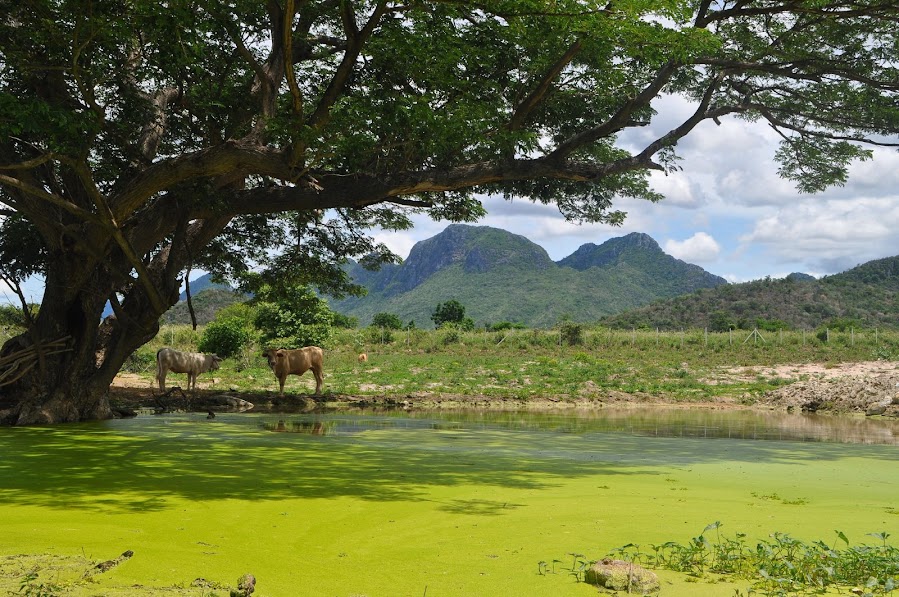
(529, 364)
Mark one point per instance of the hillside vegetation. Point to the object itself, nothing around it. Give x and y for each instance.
(624, 283)
(206, 304)
(500, 276)
(865, 296)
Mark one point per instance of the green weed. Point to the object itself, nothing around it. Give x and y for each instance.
(781, 565)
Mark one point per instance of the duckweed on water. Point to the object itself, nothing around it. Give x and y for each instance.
(408, 504)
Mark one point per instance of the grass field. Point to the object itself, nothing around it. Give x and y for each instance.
(684, 366)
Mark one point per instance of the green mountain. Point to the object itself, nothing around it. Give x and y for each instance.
(500, 276)
(202, 283)
(207, 297)
(867, 295)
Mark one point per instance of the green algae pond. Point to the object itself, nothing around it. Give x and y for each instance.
(427, 503)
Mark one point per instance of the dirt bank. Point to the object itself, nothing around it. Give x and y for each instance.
(870, 387)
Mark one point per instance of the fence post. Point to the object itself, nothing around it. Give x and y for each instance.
(706, 336)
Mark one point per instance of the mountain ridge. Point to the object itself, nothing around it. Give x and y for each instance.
(501, 276)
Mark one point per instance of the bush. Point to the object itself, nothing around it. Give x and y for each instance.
(504, 325)
(224, 337)
(387, 320)
(572, 334)
(451, 334)
(141, 360)
(11, 316)
(380, 335)
(346, 322)
(178, 336)
(294, 316)
(451, 311)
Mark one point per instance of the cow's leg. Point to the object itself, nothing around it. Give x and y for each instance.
(281, 380)
(160, 377)
(319, 380)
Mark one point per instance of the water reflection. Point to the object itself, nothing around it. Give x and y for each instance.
(649, 421)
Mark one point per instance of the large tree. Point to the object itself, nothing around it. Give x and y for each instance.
(139, 139)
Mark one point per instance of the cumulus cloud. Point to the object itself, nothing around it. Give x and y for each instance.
(679, 189)
(699, 248)
(830, 236)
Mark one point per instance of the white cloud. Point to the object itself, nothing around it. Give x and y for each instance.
(830, 235)
(699, 248)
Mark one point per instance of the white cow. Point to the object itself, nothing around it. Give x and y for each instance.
(192, 363)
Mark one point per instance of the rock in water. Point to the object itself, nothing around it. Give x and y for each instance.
(619, 575)
(246, 584)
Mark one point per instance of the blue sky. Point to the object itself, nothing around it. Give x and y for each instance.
(726, 210)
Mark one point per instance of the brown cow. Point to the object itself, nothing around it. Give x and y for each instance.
(284, 362)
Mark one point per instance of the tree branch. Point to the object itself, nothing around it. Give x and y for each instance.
(355, 40)
(620, 119)
(539, 93)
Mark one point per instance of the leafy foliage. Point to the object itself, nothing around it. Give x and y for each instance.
(291, 316)
(452, 311)
(390, 321)
(865, 296)
(225, 337)
(781, 565)
(142, 139)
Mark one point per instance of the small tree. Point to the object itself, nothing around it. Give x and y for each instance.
(224, 337)
(347, 322)
(292, 316)
(387, 320)
(721, 321)
(571, 333)
(452, 311)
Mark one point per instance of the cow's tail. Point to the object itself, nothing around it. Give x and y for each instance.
(158, 364)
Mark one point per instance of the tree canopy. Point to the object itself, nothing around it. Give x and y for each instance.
(140, 139)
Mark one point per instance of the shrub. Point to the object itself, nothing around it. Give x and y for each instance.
(141, 360)
(450, 334)
(11, 316)
(225, 337)
(451, 311)
(294, 316)
(380, 335)
(504, 325)
(387, 320)
(347, 322)
(572, 334)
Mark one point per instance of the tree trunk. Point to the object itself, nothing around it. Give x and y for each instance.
(69, 358)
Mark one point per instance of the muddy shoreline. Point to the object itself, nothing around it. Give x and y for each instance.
(865, 388)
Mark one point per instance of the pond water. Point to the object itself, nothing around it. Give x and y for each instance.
(433, 503)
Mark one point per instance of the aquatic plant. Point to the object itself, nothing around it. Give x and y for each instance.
(30, 587)
(781, 565)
